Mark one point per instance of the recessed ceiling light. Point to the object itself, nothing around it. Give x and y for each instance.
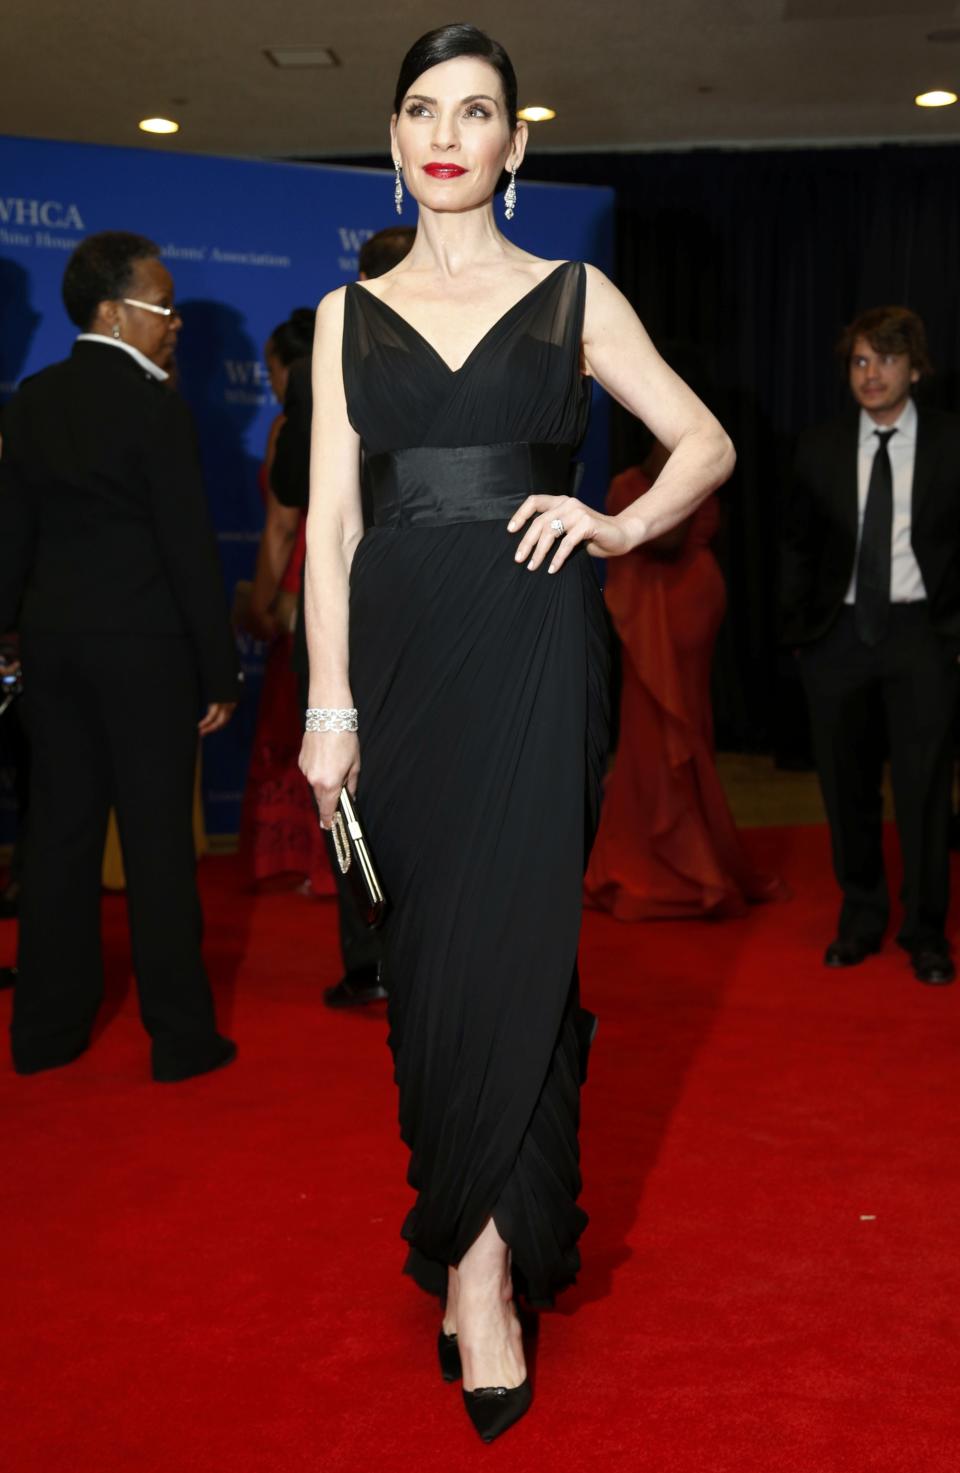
(937, 98)
(158, 125)
(306, 56)
(536, 114)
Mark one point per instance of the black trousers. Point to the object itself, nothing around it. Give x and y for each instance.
(112, 720)
(15, 751)
(901, 696)
(360, 947)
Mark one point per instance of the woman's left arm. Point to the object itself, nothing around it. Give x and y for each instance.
(623, 360)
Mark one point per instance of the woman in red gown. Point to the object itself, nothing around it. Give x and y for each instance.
(279, 832)
(667, 847)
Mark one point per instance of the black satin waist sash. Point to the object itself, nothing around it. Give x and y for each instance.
(428, 486)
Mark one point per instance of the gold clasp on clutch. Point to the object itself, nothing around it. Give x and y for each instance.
(341, 843)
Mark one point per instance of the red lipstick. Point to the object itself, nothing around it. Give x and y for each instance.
(444, 171)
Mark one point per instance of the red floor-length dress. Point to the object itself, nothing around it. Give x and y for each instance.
(279, 831)
(667, 845)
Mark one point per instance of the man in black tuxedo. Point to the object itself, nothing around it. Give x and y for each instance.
(109, 569)
(363, 980)
(871, 600)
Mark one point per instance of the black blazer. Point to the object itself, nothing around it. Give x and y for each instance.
(104, 526)
(819, 525)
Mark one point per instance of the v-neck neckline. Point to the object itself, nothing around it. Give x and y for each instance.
(453, 372)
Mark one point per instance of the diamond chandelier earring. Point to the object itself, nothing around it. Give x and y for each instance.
(398, 189)
(510, 197)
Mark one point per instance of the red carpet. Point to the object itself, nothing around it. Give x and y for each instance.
(204, 1278)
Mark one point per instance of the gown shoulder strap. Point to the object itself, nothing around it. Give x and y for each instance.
(556, 313)
(364, 326)
(364, 331)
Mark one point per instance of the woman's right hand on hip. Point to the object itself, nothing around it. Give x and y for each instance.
(330, 762)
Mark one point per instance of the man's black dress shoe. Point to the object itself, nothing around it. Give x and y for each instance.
(40, 1063)
(850, 952)
(933, 965)
(356, 989)
(223, 1052)
(8, 976)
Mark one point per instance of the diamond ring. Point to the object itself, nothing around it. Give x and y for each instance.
(557, 527)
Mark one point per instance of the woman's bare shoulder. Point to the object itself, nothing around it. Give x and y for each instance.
(377, 286)
(330, 306)
(539, 268)
(543, 263)
(599, 283)
(606, 308)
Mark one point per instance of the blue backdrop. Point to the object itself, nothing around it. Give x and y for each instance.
(246, 243)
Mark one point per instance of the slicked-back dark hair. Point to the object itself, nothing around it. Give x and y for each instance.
(888, 330)
(293, 338)
(100, 270)
(385, 250)
(446, 43)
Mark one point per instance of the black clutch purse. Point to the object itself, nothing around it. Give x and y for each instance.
(356, 862)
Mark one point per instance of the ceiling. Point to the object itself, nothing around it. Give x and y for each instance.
(622, 74)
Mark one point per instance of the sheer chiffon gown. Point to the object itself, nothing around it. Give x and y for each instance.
(482, 698)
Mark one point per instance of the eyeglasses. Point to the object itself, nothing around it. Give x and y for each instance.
(150, 307)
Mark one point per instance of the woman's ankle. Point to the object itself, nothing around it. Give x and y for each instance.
(484, 1310)
(490, 1340)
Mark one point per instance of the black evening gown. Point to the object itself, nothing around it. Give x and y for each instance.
(481, 691)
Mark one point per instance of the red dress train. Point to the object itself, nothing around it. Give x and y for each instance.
(667, 846)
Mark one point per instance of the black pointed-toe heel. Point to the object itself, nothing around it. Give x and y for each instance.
(492, 1409)
(448, 1352)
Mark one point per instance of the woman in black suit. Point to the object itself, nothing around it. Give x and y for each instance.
(109, 569)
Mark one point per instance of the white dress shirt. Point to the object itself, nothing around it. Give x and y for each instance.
(144, 362)
(906, 580)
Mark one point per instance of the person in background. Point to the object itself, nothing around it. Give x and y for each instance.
(14, 754)
(12, 744)
(870, 599)
(363, 981)
(279, 833)
(281, 552)
(667, 846)
(13, 751)
(109, 570)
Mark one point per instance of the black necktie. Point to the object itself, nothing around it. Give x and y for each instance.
(872, 599)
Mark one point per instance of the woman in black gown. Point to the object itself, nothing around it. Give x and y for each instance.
(466, 630)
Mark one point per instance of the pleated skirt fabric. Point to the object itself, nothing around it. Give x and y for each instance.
(482, 695)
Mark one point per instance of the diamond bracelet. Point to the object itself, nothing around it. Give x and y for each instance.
(324, 718)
